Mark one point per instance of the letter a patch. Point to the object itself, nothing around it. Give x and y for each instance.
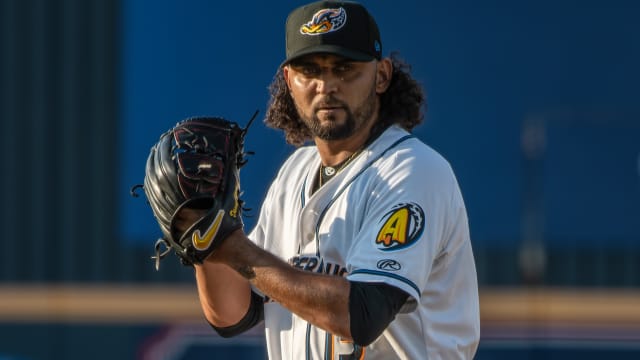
(401, 227)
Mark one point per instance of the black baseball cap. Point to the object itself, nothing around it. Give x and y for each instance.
(343, 28)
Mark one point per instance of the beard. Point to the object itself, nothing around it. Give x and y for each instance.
(331, 128)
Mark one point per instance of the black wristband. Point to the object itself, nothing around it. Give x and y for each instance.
(254, 315)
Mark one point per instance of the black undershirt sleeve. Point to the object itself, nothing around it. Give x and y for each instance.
(254, 315)
(372, 307)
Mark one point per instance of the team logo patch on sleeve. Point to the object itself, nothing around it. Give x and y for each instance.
(325, 21)
(401, 227)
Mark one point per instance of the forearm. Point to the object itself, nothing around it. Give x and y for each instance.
(320, 299)
(224, 294)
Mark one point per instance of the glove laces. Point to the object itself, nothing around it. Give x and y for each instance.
(161, 254)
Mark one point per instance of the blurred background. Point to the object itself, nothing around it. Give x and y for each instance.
(535, 104)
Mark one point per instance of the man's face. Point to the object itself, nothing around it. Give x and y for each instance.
(334, 96)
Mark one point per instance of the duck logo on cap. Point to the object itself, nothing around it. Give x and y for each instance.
(325, 21)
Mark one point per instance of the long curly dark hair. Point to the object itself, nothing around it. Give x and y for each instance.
(403, 104)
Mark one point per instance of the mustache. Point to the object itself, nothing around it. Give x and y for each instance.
(329, 102)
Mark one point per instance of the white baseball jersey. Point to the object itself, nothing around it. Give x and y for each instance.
(395, 215)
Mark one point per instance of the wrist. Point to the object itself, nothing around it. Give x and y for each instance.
(227, 251)
(239, 253)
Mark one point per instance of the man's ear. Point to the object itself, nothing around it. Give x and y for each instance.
(384, 71)
(285, 75)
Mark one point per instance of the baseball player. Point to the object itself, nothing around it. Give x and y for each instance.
(361, 249)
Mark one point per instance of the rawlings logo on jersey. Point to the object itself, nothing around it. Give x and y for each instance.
(325, 21)
(401, 227)
(388, 265)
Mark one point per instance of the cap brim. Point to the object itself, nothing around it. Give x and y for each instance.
(330, 49)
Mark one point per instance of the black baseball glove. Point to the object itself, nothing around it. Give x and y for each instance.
(196, 165)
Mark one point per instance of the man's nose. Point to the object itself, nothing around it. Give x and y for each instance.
(327, 83)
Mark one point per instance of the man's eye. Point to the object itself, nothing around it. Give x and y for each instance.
(309, 70)
(343, 68)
